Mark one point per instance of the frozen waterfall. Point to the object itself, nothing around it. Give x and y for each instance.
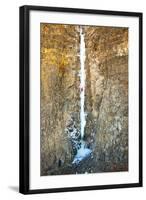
(83, 151)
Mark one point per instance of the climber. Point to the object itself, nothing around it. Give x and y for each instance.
(81, 89)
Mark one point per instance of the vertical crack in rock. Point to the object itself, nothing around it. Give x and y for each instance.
(82, 152)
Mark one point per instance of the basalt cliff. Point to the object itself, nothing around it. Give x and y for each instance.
(106, 98)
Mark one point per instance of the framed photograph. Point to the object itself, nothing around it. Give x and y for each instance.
(80, 99)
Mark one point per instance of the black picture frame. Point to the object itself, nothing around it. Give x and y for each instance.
(24, 98)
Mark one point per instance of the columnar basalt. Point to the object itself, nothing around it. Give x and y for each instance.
(59, 93)
(107, 96)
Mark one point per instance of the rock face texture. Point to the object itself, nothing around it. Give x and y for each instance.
(106, 98)
(107, 95)
(59, 93)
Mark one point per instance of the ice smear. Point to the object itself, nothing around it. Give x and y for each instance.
(82, 82)
(82, 153)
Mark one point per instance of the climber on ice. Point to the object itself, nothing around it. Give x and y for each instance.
(81, 89)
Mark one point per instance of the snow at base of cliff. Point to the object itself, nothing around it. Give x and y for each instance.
(82, 153)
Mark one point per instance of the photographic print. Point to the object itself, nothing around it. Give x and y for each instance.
(84, 99)
(80, 99)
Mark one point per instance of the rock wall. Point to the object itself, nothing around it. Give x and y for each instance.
(106, 98)
(59, 93)
(107, 95)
